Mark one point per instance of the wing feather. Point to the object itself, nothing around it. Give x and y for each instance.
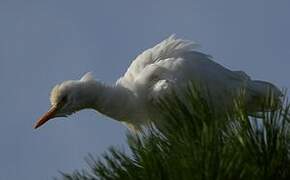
(169, 48)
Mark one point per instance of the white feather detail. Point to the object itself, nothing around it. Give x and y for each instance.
(87, 77)
(168, 48)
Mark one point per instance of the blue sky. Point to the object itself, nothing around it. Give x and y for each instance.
(45, 42)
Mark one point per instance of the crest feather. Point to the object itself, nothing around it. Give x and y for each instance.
(54, 95)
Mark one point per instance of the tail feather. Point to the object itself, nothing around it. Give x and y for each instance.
(263, 96)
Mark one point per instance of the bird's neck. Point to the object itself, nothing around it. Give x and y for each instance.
(113, 101)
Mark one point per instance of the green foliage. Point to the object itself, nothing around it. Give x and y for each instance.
(198, 143)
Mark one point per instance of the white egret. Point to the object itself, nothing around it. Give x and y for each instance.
(169, 65)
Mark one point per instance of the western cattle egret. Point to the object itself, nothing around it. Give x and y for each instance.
(169, 65)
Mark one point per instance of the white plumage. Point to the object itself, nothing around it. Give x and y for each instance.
(170, 65)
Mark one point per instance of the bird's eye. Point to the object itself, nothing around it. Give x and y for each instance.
(64, 99)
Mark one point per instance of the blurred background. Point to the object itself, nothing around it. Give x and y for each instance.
(45, 42)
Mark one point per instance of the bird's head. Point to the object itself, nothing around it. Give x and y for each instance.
(65, 99)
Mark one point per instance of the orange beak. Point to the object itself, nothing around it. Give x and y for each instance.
(47, 116)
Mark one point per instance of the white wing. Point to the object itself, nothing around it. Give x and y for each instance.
(146, 63)
(173, 64)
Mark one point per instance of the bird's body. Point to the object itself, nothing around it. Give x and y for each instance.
(169, 66)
